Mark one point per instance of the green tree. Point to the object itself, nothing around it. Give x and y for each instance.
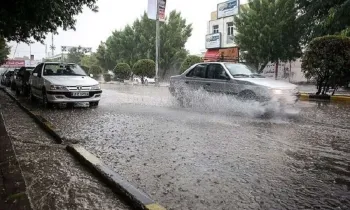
(189, 61)
(122, 71)
(74, 55)
(267, 31)
(144, 68)
(89, 60)
(104, 57)
(138, 41)
(4, 51)
(319, 18)
(95, 70)
(20, 21)
(327, 60)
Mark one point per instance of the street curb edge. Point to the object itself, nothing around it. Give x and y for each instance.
(43, 123)
(307, 96)
(139, 199)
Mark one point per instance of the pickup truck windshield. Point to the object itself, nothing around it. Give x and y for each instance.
(56, 69)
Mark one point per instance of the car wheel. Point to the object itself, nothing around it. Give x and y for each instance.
(93, 104)
(18, 92)
(70, 105)
(31, 96)
(247, 95)
(13, 86)
(46, 103)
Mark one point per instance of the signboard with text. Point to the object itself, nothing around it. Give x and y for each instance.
(13, 63)
(228, 8)
(213, 41)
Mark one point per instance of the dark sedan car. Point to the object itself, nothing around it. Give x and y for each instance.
(6, 77)
(22, 80)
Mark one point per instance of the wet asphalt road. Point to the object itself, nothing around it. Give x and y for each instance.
(217, 154)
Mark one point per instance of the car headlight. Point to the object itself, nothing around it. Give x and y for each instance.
(58, 87)
(277, 91)
(95, 87)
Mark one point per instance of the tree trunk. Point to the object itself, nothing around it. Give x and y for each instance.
(142, 80)
(163, 74)
(276, 70)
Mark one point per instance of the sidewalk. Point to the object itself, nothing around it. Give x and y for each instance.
(311, 89)
(12, 186)
(54, 179)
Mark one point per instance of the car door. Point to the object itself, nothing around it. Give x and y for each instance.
(216, 79)
(35, 80)
(196, 77)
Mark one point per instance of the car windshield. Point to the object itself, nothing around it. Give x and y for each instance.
(57, 69)
(241, 70)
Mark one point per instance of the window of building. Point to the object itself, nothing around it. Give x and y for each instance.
(230, 28)
(215, 29)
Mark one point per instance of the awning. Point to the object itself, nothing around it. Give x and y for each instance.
(212, 55)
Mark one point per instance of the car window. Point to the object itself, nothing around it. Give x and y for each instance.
(216, 71)
(38, 69)
(57, 69)
(198, 71)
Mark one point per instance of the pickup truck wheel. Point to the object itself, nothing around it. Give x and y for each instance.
(46, 103)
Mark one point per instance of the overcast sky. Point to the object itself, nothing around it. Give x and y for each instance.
(91, 28)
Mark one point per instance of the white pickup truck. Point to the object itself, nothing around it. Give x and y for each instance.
(55, 82)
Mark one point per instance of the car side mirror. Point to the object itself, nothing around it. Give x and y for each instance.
(91, 75)
(35, 74)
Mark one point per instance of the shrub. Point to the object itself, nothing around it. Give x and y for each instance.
(95, 70)
(107, 77)
(144, 68)
(122, 71)
(327, 60)
(188, 62)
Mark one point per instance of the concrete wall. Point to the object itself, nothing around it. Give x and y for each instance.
(286, 71)
(222, 23)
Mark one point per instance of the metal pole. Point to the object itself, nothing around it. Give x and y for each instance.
(52, 49)
(157, 45)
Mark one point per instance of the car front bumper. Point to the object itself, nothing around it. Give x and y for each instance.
(66, 97)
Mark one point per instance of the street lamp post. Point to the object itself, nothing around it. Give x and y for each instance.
(157, 45)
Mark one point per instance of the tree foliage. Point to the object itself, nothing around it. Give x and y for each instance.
(104, 58)
(267, 31)
(122, 71)
(89, 60)
(319, 18)
(95, 70)
(4, 51)
(144, 68)
(75, 55)
(189, 61)
(327, 60)
(21, 20)
(137, 41)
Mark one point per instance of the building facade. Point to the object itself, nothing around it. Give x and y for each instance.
(219, 40)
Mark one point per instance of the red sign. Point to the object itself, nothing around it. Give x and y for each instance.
(14, 63)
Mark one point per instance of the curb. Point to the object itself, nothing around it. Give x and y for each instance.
(306, 96)
(43, 123)
(139, 199)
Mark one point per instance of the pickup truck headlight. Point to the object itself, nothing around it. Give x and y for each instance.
(95, 87)
(57, 87)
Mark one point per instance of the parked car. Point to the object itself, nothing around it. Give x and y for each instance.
(22, 80)
(13, 78)
(233, 79)
(6, 78)
(147, 80)
(2, 75)
(55, 82)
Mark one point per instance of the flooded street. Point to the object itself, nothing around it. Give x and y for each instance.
(218, 153)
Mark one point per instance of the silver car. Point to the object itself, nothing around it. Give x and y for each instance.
(234, 79)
